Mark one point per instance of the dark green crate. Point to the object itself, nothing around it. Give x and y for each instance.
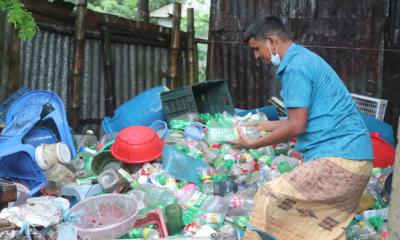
(206, 97)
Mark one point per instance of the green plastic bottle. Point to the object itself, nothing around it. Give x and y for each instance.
(174, 218)
(284, 167)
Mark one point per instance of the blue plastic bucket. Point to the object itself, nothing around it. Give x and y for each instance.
(142, 110)
(161, 128)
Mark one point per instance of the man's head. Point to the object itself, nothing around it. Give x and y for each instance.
(268, 38)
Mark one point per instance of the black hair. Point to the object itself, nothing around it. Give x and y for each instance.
(265, 26)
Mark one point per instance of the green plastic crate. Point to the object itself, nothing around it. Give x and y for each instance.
(206, 97)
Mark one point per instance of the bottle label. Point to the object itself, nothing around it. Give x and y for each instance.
(191, 229)
(237, 202)
(213, 218)
(197, 199)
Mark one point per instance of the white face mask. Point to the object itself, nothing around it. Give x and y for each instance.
(275, 59)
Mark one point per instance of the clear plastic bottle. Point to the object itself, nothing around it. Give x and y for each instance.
(221, 134)
(383, 231)
(383, 212)
(241, 203)
(215, 204)
(207, 186)
(251, 132)
(156, 196)
(211, 218)
(185, 192)
(363, 231)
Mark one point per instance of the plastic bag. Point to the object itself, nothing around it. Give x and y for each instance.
(181, 165)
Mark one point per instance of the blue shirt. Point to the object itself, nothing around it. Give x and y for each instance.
(334, 128)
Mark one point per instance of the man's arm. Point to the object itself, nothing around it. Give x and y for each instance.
(293, 126)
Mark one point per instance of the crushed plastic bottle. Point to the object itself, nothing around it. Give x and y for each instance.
(384, 213)
(363, 231)
(241, 203)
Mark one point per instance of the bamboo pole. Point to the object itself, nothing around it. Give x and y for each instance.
(77, 69)
(110, 99)
(190, 47)
(175, 47)
(143, 11)
(394, 210)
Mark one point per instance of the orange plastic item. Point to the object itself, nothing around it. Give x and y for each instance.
(137, 144)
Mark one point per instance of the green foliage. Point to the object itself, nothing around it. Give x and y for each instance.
(20, 18)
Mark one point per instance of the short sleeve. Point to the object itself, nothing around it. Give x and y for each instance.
(296, 88)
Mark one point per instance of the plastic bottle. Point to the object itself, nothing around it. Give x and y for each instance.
(196, 200)
(156, 196)
(137, 194)
(215, 204)
(147, 232)
(207, 186)
(227, 231)
(363, 231)
(128, 177)
(384, 213)
(251, 132)
(185, 192)
(211, 218)
(241, 203)
(284, 167)
(221, 134)
(366, 202)
(293, 162)
(174, 218)
(383, 231)
(225, 187)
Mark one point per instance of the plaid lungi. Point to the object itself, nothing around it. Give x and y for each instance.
(317, 200)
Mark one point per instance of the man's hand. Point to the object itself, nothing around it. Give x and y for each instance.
(243, 141)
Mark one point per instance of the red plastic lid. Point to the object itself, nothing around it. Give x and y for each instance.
(137, 144)
(383, 151)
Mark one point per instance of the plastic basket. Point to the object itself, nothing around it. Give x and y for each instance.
(206, 97)
(5, 105)
(375, 107)
(106, 216)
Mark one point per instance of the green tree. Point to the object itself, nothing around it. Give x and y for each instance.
(20, 18)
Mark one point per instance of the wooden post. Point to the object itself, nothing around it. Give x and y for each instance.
(110, 102)
(143, 11)
(77, 67)
(190, 47)
(14, 76)
(175, 47)
(394, 210)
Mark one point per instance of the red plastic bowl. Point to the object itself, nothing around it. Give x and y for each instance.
(137, 144)
(383, 151)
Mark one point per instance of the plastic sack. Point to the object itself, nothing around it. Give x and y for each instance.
(40, 211)
(181, 165)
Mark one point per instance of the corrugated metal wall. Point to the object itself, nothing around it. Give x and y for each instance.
(46, 61)
(347, 34)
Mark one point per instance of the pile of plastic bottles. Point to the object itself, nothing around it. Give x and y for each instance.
(221, 199)
(372, 212)
(202, 185)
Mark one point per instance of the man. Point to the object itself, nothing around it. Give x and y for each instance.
(317, 200)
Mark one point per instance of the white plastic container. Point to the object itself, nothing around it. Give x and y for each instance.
(49, 154)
